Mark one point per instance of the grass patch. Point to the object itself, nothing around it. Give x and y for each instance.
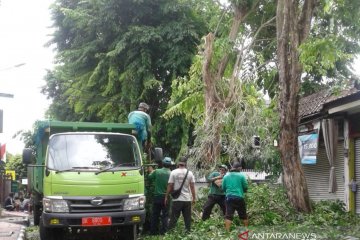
(32, 233)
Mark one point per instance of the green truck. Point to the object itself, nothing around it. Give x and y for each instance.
(87, 178)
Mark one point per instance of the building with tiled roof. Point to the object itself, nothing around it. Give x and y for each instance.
(317, 104)
(329, 145)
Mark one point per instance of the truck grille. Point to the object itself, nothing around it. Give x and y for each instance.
(84, 205)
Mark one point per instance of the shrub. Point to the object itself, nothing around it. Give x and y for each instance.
(329, 213)
(268, 205)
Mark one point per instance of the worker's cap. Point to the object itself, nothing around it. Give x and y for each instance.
(182, 161)
(223, 166)
(144, 105)
(166, 161)
(236, 166)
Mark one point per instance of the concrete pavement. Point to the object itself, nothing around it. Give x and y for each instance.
(13, 224)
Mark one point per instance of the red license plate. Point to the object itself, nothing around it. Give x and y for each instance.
(96, 221)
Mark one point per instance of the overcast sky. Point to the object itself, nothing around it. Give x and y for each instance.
(24, 29)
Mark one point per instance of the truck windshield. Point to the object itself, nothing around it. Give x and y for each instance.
(92, 152)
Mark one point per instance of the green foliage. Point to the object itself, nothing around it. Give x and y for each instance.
(114, 54)
(242, 120)
(320, 55)
(269, 212)
(247, 116)
(14, 162)
(327, 55)
(187, 97)
(268, 205)
(172, 135)
(333, 44)
(329, 213)
(243, 3)
(244, 114)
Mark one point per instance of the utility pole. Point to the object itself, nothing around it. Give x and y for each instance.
(8, 95)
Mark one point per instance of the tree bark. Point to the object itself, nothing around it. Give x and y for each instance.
(292, 29)
(213, 103)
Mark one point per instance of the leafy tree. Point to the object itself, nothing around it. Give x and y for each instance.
(220, 97)
(114, 54)
(320, 48)
(59, 108)
(326, 56)
(225, 75)
(230, 66)
(15, 163)
(333, 42)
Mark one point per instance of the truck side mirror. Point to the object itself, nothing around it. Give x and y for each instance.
(158, 155)
(27, 155)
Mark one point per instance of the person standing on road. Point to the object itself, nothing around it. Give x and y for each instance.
(235, 186)
(142, 121)
(160, 178)
(182, 204)
(216, 194)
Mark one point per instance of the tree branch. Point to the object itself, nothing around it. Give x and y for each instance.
(240, 60)
(240, 14)
(305, 19)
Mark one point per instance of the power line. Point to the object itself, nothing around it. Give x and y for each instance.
(14, 66)
(8, 95)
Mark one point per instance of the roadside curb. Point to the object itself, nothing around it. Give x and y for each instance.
(22, 233)
(13, 225)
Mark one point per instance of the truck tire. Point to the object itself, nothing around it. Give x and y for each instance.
(129, 233)
(37, 214)
(37, 208)
(50, 233)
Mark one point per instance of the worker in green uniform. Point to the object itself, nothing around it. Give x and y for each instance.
(160, 178)
(235, 185)
(216, 194)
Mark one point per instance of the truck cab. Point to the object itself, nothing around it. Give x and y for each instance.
(87, 177)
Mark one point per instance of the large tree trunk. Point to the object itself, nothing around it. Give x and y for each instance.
(213, 103)
(292, 29)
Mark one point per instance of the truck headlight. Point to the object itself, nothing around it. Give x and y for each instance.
(55, 205)
(134, 203)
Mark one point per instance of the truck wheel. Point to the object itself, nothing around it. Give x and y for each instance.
(37, 214)
(129, 233)
(50, 233)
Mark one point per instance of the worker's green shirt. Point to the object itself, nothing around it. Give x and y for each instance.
(160, 178)
(234, 184)
(214, 189)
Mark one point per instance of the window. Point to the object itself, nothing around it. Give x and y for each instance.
(92, 151)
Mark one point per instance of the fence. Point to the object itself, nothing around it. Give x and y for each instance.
(250, 173)
(5, 186)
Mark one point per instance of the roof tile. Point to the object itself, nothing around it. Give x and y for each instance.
(313, 104)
